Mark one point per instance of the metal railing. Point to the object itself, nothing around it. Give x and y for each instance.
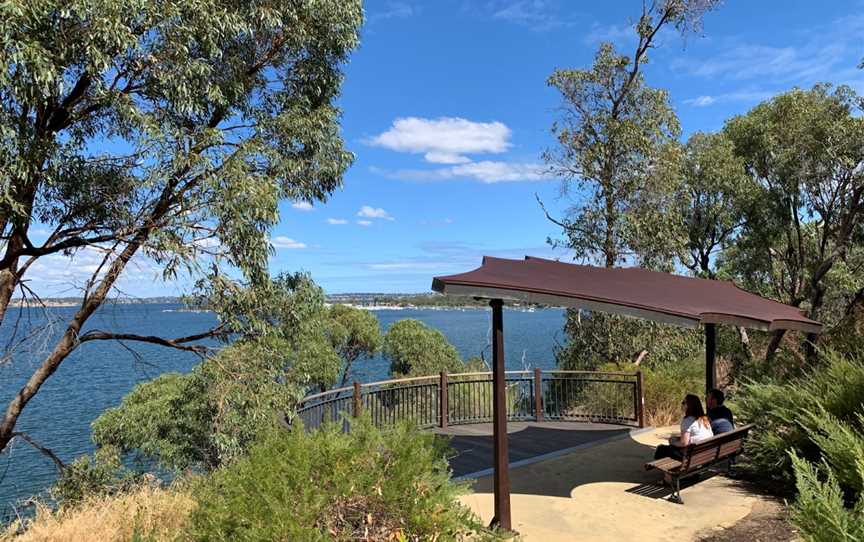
(465, 398)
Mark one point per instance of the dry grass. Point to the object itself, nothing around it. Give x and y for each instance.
(153, 514)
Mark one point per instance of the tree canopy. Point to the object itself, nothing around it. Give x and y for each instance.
(803, 152)
(618, 154)
(165, 129)
(354, 333)
(212, 414)
(415, 349)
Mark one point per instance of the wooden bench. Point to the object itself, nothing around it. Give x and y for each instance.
(698, 457)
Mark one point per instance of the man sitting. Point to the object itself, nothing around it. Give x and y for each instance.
(720, 416)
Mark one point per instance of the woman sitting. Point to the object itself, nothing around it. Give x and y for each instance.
(695, 428)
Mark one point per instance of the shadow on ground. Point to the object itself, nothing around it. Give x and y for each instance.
(472, 447)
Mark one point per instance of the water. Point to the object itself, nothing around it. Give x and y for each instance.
(99, 373)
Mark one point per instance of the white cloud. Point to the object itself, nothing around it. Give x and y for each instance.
(617, 34)
(745, 96)
(404, 265)
(368, 211)
(701, 101)
(61, 275)
(364, 222)
(535, 14)
(303, 206)
(779, 64)
(445, 140)
(336, 221)
(395, 10)
(811, 58)
(445, 158)
(441, 257)
(487, 171)
(280, 241)
(498, 172)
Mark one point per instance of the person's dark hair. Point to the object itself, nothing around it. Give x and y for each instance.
(718, 395)
(693, 407)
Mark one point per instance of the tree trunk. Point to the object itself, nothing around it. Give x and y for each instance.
(9, 276)
(8, 282)
(67, 343)
(774, 344)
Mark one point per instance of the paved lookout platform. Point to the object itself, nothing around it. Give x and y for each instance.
(601, 492)
(529, 442)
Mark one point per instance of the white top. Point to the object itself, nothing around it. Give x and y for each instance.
(698, 432)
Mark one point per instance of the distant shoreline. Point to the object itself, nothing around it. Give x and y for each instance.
(17, 303)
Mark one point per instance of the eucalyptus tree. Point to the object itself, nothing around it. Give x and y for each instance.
(802, 239)
(618, 153)
(167, 129)
(712, 198)
(354, 333)
(205, 418)
(415, 349)
(615, 138)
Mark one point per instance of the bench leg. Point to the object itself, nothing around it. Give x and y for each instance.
(676, 491)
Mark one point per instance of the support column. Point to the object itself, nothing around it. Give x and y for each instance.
(710, 356)
(501, 461)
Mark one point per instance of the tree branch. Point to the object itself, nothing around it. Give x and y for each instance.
(178, 343)
(42, 449)
(564, 226)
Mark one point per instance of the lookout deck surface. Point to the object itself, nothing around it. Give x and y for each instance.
(472, 444)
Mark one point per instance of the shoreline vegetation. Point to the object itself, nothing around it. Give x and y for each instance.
(367, 301)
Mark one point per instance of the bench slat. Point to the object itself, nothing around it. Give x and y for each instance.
(667, 464)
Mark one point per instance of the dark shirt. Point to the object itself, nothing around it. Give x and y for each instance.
(720, 412)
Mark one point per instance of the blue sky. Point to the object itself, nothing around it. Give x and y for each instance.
(447, 111)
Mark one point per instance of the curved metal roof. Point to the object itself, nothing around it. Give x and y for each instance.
(631, 291)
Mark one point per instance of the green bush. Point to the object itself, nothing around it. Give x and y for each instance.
(331, 485)
(664, 385)
(820, 510)
(99, 474)
(817, 415)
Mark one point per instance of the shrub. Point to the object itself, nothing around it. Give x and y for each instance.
(820, 510)
(330, 485)
(663, 386)
(816, 415)
(88, 476)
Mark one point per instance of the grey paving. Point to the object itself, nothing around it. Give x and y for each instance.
(472, 444)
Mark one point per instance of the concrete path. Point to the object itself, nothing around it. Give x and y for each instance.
(603, 493)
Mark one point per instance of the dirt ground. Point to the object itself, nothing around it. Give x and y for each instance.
(767, 522)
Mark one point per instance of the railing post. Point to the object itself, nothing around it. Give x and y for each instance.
(538, 395)
(357, 404)
(443, 399)
(640, 400)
